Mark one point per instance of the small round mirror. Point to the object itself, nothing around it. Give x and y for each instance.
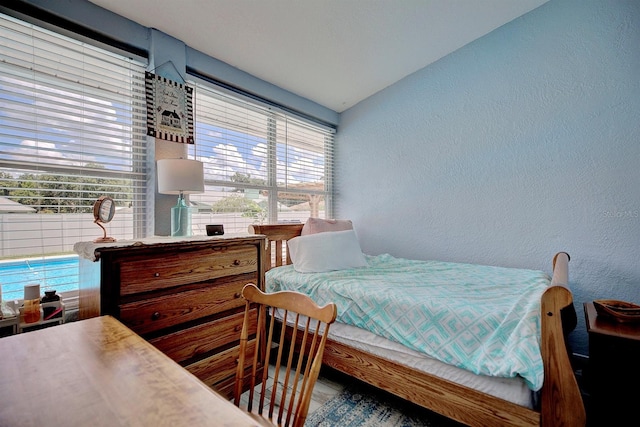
(103, 210)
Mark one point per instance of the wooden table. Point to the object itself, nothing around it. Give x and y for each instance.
(613, 373)
(97, 372)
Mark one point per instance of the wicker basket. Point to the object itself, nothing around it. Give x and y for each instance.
(620, 311)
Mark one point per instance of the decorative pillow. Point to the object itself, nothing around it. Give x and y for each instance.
(319, 225)
(329, 251)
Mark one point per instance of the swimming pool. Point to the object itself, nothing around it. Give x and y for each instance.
(59, 273)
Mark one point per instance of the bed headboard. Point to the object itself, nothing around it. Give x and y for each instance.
(277, 236)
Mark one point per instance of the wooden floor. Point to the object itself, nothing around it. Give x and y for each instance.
(329, 384)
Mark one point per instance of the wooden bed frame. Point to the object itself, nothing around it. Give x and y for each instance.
(561, 402)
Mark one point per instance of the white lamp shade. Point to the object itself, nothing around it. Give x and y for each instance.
(177, 176)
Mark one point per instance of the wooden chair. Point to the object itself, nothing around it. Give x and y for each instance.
(282, 394)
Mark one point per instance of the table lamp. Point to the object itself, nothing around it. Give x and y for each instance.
(180, 176)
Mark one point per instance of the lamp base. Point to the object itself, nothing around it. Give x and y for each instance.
(180, 219)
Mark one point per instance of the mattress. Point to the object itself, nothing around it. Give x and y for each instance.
(513, 389)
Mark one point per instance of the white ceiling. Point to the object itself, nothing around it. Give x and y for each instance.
(333, 52)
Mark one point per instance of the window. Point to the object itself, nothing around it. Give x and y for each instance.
(262, 165)
(72, 128)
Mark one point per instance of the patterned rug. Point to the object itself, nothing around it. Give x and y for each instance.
(364, 406)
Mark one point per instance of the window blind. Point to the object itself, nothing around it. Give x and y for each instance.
(262, 165)
(72, 128)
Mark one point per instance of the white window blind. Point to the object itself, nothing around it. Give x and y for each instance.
(72, 128)
(262, 165)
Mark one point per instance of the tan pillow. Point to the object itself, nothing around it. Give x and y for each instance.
(319, 225)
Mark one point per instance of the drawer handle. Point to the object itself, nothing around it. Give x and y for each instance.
(156, 274)
(155, 316)
(238, 328)
(236, 262)
(237, 295)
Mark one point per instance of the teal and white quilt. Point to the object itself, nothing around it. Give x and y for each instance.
(481, 318)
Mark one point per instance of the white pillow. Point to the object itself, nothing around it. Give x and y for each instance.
(328, 251)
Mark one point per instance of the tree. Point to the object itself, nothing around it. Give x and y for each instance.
(246, 179)
(247, 207)
(64, 193)
(6, 181)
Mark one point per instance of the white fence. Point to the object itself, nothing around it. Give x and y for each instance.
(41, 234)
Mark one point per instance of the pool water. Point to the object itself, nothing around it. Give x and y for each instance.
(59, 273)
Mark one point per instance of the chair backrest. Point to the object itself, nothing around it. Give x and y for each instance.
(281, 392)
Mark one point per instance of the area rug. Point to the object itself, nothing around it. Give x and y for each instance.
(363, 406)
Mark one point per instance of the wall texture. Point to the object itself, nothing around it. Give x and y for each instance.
(521, 144)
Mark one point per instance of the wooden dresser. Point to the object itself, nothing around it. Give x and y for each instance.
(612, 372)
(183, 296)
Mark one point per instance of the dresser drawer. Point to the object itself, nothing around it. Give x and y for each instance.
(146, 274)
(201, 339)
(222, 366)
(169, 310)
(183, 296)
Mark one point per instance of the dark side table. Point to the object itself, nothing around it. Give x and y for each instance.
(613, 374)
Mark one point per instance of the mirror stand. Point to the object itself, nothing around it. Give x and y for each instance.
(103, 210)
(104, 238)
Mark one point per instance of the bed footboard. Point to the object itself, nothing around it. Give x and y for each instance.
(561, 399)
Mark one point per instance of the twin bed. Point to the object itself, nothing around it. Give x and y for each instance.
(487, 348)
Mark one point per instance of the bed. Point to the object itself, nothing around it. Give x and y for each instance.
(452, 391)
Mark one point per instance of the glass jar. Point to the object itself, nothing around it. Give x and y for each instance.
(50, 296)
(47, 308)
(31, 306)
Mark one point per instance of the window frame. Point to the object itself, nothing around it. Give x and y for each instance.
(132, 178)
(273, 114)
